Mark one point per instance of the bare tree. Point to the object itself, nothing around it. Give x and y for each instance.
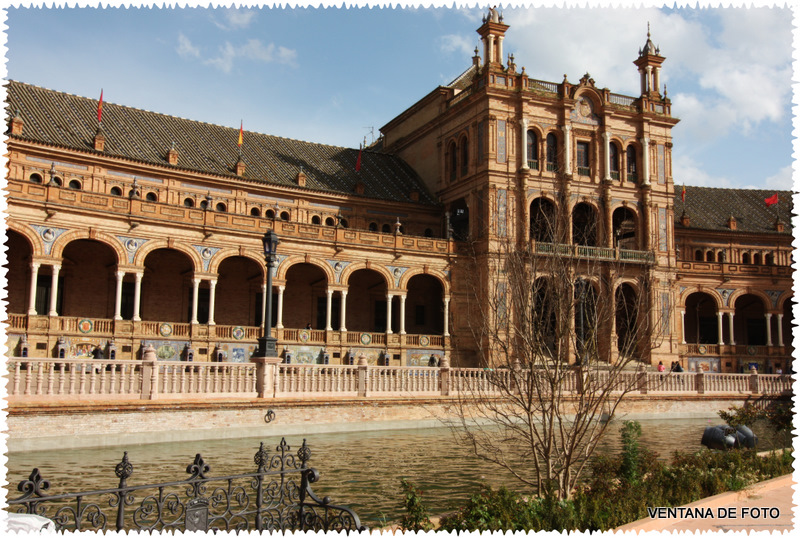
(559, 339)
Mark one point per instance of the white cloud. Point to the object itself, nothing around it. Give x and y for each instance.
(235, 19)
(781, 180)
(185, 47)
(454, 43)
(253, 49)
(686, 171)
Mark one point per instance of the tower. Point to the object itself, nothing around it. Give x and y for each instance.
(649, 64)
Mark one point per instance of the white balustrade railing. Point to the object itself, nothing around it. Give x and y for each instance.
(70, 379)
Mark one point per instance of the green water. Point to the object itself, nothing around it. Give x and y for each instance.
(361, 470)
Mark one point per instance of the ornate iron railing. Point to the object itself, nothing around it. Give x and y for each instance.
(277, 496)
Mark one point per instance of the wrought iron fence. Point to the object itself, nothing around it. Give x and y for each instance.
(277, 496)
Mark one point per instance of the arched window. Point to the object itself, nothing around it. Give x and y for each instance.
(75, 184)
(255, 212)
(373, 226)
(386, 229)
(269, 213)
(453, 160)
(710, 256)
(35, 178)
(613, 157)
(757, 259)
(552, 152)
(698, 255)
(221, 207)
(151, 197)
(116, 191)
(721, 256)
(284, 215)
(330, 221)
(188, 202)
(57, 181)
(343, 223)
(533, 150)
(204, 204)
(630, 158)
(769, 259)
(464, 156)
(316, 220)
(746, 258)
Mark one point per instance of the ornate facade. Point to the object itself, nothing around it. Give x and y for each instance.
(146, 229)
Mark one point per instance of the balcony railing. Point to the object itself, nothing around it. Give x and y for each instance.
(595, 253)
(584, 171)
(533, 164)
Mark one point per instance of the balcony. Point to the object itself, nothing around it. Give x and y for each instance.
(593, 253)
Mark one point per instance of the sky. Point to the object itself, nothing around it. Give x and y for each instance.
(335, 76)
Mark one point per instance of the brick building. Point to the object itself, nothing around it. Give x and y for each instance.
(146, 228)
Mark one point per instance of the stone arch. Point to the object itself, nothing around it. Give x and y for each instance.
(34, 239)
(713, 293)
(767, 300)
(408, 275)
(222, 255)
(287, 264)
(57, 251)
(155, 244)
(380, 269)
(593, 95)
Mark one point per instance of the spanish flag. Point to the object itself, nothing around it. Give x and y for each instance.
(241, 133)
(100, 107)
(358, 160)
(683, 194)
(772, 200)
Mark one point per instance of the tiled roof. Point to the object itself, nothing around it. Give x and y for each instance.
(710, 208)
(70, 121)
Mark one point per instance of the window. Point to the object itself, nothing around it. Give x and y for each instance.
(533, 150)
(36, 178)
(453, 161)
(756, 259)
(343, 223)
(75, 184)
(255, 212)
(284, 215)
(613, 157)
(386, 229)
(203, 204)
(698, 255)
(269, 213)
(373, 226)
(464, 156)
(630, 157)
(188, 202)
(116, 191)
(316, 220)
(746, 258)
(552, 152)
(151, 197)
(710, 256)
(221, 207)
(583, 158)
(330, 221)
(721, 256)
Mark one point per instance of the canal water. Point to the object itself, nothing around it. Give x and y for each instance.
(361, 470)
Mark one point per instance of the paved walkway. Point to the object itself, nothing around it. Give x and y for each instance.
(766, 506)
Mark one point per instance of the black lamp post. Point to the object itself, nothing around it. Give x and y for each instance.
(267, 345)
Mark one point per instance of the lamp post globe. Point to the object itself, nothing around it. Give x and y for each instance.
(267, 344)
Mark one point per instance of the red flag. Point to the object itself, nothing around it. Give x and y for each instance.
(358, 161)
(683, 194)
(100, 107)
(772, 200)
(241, 133)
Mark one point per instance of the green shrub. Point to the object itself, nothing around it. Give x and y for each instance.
(416, 518)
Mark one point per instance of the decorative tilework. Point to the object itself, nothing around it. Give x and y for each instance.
(774, 295)
(501, 141)
(725, 293)
(662, 229)
(132, 245)
(422, 357)
(48, 235)
(206, 253)
(500, 216)
(338, 267)
(662, 177)
(397, 273)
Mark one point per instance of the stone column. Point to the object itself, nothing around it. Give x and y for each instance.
(645, 161)
(264, 304)
(403, 314)
(732, 340)
(683, 326)
(780, 329)
(389, 297)
(32, 294)
(328, 306)
(212, 300)
(524, 125)
(720, 341)
(607, 150)
(118, 296)
(279, 321)
(649, 70)
(768, 318)
(567, 150)
(54, 290)
(447, 316)
(137, 297)
(195, 293)
(342, 310)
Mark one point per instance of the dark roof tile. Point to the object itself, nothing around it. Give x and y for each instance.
(710, 208)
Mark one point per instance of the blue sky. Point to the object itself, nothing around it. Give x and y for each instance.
(335, 76)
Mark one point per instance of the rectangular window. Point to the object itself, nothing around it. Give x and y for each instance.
(583, 158)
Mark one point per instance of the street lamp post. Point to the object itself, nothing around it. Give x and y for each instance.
(267, 344)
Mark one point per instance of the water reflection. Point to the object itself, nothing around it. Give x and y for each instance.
(361, 470)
